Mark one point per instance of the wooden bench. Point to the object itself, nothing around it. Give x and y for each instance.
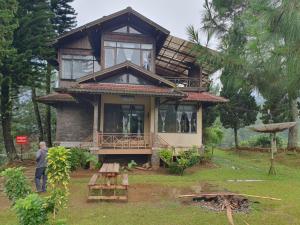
(108, 180)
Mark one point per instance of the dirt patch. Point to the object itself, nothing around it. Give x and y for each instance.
(156, 193)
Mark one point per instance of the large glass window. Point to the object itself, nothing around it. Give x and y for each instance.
(76, 66)
(177, 118)
(119, 52)
(123, 119)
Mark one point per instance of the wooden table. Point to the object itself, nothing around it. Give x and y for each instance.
(109, 182)
(110, 171)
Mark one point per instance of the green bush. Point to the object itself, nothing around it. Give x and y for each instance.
(263, 141)
(80, 158)
(166, 155)
(184, 160)
(58, 177)
(16, 185)
(131, 164)
(31, 210)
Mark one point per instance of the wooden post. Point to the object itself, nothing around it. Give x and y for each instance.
(272, 170)
(96, 121)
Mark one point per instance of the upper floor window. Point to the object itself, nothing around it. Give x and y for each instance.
(126, 30)
(76, 66)
(118, 52)
(126, 78)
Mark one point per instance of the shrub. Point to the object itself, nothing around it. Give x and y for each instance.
(16, 185)
(131, 164)
(184, 160)
(166, 155)
(58, 177)
(81, 158)
(263, 141)
(31, 210)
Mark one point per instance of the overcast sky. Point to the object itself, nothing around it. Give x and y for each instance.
(174, 15)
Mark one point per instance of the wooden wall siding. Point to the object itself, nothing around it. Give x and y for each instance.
(80, 43)
(74, 122)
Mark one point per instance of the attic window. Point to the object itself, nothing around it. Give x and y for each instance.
(126, 78)
(126, 30)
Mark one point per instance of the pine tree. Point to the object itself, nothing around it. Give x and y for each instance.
(33, 38)
(270, 55)
(64, 15)
(64, 19)
(8, 25)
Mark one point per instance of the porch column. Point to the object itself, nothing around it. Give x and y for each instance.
(96, 120)
(199, 126)
(154, 157)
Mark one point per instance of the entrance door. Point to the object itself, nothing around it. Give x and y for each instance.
(124, 119)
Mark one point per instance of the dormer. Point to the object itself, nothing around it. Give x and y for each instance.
(108, 41)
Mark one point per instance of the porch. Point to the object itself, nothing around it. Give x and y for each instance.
(120, 143)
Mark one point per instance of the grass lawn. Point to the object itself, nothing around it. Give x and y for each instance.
(152, 196)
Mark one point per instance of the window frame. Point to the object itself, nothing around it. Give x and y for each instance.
(141, 52)
(130, 38)
(176, 106)
(76, 54)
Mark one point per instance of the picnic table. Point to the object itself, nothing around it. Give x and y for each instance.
(110, 186)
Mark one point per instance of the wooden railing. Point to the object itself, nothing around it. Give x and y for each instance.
(124, 141)
(183, 82)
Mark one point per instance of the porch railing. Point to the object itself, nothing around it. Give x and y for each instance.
(124, 141)
(183, 82)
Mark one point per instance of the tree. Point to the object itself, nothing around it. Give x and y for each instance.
(269, 56)
(273, 52)
(63, 19)
(64, 15)
(241, 110)
(33, 39)
(8, 25)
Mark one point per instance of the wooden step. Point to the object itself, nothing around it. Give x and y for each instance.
(107, 187)
(108, 198)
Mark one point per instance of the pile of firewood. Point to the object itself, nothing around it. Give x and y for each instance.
(221, 202)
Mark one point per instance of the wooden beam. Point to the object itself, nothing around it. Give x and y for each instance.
(123, 151)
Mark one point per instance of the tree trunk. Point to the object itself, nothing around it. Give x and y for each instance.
(293, 132)
(236, 141)
(6, 117)
(48, 109)
(37, 114)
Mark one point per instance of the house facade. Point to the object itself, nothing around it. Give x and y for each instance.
(126, 86)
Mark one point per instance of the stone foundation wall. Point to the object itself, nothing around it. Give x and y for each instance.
(74, 122)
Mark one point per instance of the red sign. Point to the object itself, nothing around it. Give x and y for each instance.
(22, 140)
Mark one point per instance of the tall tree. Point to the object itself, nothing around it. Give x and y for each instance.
(64, 19)
(64, 15)
(33, 39)
(273, 52)
(270, 54)
(241, 110)
(8, 24)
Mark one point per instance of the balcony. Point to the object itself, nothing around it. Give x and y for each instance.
(185, 82)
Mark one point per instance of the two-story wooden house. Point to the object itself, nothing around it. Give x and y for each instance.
(126, 86)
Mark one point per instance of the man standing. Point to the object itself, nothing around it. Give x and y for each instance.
(41, 165)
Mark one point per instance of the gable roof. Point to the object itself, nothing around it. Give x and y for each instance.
(125, 66)
(99, 22)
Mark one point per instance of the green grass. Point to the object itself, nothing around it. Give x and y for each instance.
(168, 211)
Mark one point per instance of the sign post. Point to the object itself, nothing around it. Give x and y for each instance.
(22, 140)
